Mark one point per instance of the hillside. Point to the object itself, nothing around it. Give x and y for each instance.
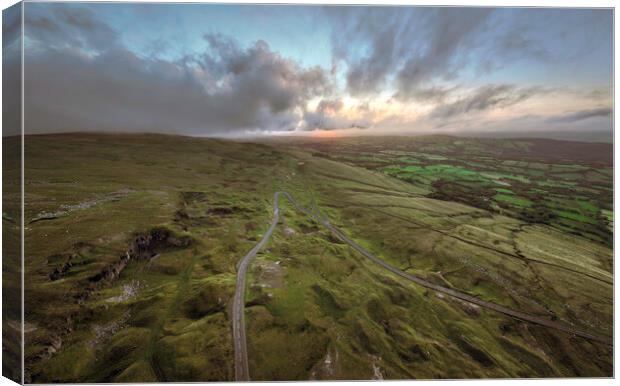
(132, 244)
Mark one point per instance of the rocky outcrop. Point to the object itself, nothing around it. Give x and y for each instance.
(145, 246)
(112, 271)
(62, 270)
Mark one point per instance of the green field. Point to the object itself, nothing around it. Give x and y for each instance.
(541, 181)
(453, 211)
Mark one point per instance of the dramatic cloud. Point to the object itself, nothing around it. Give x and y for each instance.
(449, 32)
(323, 116)
(484, 98)
(431, 95)
(581, 115)
(107, 67)
(412, 48)
(69, 28)
(103, 86)
(377, 30)
(330, 115)
(422, 54)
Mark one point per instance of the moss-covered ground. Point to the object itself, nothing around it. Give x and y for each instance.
(315, 308)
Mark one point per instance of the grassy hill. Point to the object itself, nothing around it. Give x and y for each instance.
(132, 243)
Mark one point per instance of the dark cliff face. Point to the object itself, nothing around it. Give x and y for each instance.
(145, 246)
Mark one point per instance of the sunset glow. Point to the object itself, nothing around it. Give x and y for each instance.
(395, 74)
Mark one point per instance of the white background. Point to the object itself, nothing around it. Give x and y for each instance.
(564, 3)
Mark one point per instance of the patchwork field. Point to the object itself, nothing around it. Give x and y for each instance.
(133, 241)
(568, 185)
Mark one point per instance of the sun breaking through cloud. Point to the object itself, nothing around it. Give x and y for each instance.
(374, 70)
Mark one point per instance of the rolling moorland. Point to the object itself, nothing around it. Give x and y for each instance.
(133, 243)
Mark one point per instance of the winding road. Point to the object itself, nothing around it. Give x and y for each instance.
(241, 355)
(242, 373)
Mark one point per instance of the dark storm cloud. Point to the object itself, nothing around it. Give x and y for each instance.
(94, 83)
(376, 27)
(108, 67)
(369, 74)
(450, 31)
(69, 27)
(415, 50)
(577, 116)
(413, 47)
(326, 116)
(323, 116)
(332, 106)
(484, 98)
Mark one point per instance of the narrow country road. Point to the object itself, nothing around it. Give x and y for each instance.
(241, 356)
(242, 372)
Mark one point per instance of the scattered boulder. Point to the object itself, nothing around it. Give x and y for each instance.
(289, 232)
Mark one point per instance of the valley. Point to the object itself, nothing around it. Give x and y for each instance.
(133, 244)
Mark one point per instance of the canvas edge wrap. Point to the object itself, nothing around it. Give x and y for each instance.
(12, 193)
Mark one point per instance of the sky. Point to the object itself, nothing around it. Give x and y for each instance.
(247, 70)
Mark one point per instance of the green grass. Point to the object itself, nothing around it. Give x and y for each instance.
(504, 191)
(469, 170)
(574, 216)
(329, 300)
(518, 201)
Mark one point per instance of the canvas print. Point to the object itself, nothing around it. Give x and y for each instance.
(228, 192)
